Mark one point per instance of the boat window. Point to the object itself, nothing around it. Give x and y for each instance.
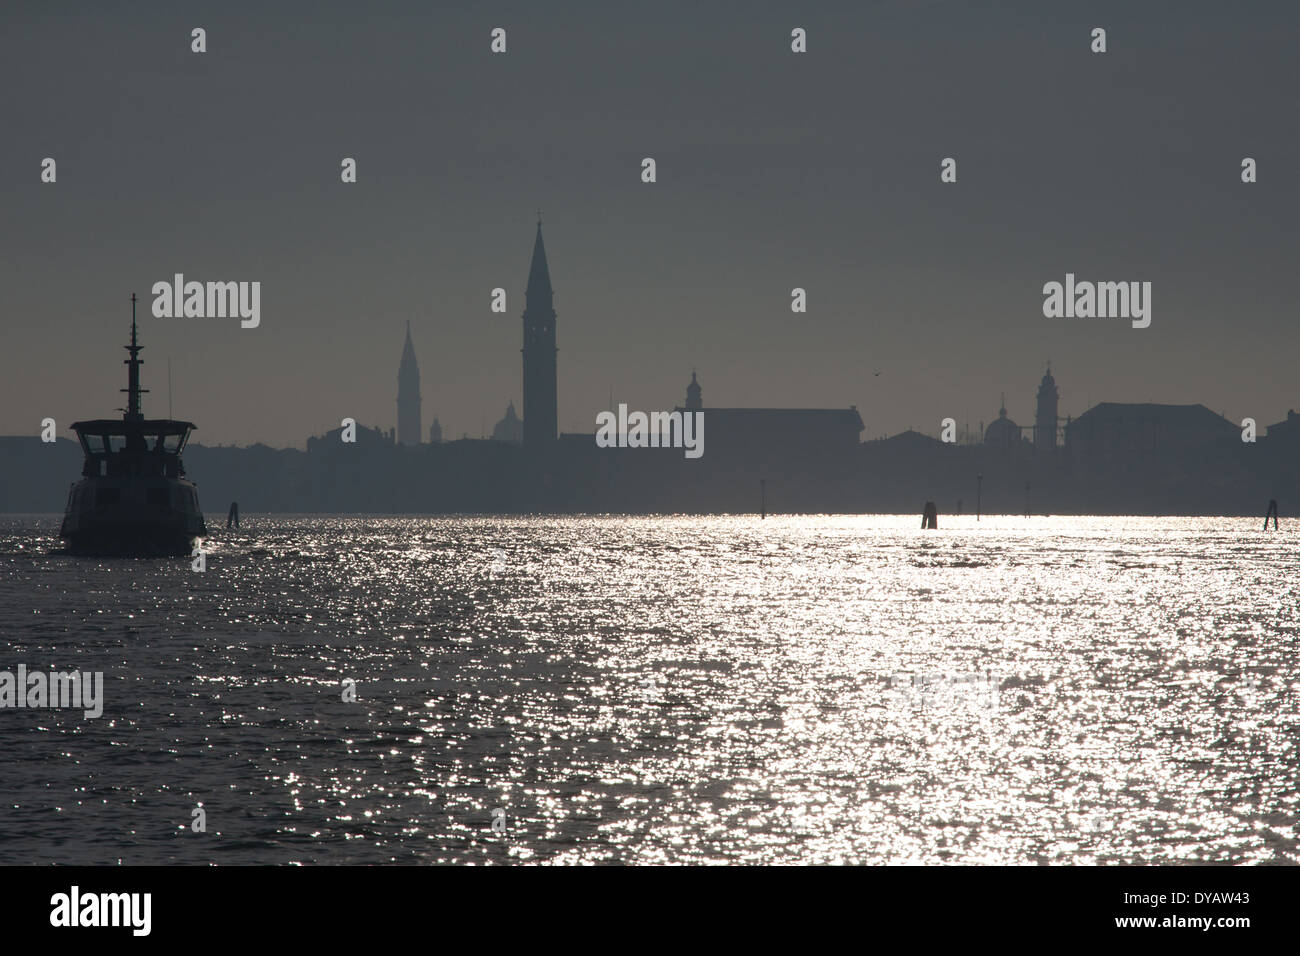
(116, 442)
(173, 443)
(95, 444)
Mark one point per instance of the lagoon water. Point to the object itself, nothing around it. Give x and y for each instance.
(662, 690)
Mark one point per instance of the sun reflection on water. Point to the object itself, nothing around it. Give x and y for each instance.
(662, 690)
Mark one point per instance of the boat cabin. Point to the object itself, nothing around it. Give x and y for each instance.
(145, 448)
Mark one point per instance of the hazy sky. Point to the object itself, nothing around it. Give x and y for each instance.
(775, 170)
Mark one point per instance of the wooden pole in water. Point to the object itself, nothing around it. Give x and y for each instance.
(1272, 512)
(232, 519)
(762, 491)
(979, 494)
(930, 518)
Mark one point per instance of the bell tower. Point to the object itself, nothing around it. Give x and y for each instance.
(408, 395)
(1045, 420)
(694, 400)
(540, 403)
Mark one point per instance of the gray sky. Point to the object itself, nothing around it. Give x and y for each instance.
(775, 170)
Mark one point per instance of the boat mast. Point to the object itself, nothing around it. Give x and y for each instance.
(133, 389)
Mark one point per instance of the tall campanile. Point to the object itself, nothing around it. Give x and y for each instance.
(408, 395)
(1045, 420)
(540, 406)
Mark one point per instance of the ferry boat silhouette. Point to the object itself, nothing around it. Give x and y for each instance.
(133, 498)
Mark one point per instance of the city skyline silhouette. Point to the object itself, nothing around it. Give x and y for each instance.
(578, 434)
(776, 171)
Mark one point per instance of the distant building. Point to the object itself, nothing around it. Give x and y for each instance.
(365, 438)
(1002, 433)
(435, 432)
(1288, 430)
(788, 433)
(694, 400)
(510, 428)
(541, 412)
(408, 395)
(775, 432)
(1112, 431)
(1045, 419)
(908, 443)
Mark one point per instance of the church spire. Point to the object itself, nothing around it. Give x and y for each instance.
(408, 394)
(539, 274)
(539, 402)
(408, 353)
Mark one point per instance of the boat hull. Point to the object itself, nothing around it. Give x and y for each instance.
(156, 518)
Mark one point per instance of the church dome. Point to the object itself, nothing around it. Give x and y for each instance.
(510, 428)
(1003, 432)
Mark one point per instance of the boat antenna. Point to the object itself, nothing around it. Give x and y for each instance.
(133, 389)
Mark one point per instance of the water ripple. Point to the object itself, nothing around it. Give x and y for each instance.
(662, 690)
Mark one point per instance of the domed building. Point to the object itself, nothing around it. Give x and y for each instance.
(1003, 433)
(510, 428)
